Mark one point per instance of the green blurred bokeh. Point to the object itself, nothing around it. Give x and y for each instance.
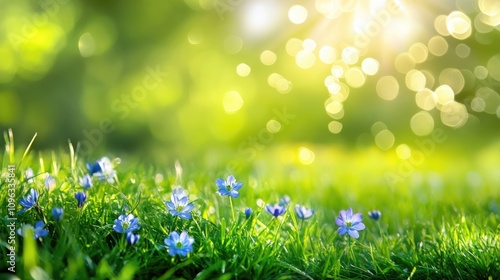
(243, 76)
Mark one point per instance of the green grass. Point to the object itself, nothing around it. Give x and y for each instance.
(444, 230)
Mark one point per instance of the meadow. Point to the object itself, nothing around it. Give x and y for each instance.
(435, 226)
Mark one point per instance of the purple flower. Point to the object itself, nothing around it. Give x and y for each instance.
(132, 238)
(179, 192)
(38, 230)
(86, 181)
(29, 201)
(375, 214)
(248, 212)
(349, 223)
(179, 244)
(285, 200)
(49, 182)
(276, 209)
(303, 213)
(80, 197)
(102, 169)
(126, 223)
(180, 206)
(229, 187)
(57, 213)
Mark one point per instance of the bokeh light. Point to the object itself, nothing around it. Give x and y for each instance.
(344, 69)
(387, 87)
(297, 14)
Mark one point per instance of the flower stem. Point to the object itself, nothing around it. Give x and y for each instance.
(348, 251)
(232, 209)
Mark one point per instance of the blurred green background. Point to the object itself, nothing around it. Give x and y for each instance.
(247, 75)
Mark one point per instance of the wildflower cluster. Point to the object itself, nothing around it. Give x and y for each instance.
(102, 168)
(128, 224)
(178, 241)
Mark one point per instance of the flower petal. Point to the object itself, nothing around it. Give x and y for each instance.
(234, 194)
(359, 226)
(39, 225)
(342, 230)
(170, 205)
(188, 207)
(353, 233)
(220, 183)
(349, 214)
(357, 218)
(238, 186)
(343, 216)
(231, 180)
(184, 215)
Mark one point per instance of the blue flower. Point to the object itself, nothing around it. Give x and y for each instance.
(349, 223)
(132, 238)
(179, 244)
(126, 223)
(102, 169)
(80, 197)
(285, 200)
(29, 201)
(57, 213)
(276, 209)
(179, 192)
(375, 214)
(29, 175)
(303, 213)
(248, 212)
(38, 230)
(86, 181)
(180, 206)
(49, 182)
(229, 187)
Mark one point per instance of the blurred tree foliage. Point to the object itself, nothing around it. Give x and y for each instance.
(94, 72)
